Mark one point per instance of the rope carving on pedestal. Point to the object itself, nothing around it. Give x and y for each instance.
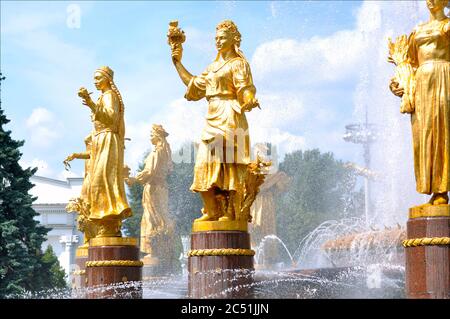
(426, 241)
(221, 252)
(118, 263)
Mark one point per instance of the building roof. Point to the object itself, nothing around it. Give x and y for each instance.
(54, 191)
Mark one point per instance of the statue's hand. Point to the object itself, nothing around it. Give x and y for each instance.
(85, 96)
(83, 93)
(177, 53)
(395, 88)
(67, 160)
(251, 104)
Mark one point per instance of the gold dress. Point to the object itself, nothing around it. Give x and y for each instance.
(223, 84)
(107, 190)
(430, 54)
(85, 187)
(155, 199)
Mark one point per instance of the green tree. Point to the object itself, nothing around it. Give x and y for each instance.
(21, 236)
(52, 275)
(184, 204)
(132, 225)
(322, 188)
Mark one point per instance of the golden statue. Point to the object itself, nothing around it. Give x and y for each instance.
(223, 175)
(423, 81)
(263, 210)
(81, 204)
(156, 227)
(106, 191)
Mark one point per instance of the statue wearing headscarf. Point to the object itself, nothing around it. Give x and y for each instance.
(106, 193)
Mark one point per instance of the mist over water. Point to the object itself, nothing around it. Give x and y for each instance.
(391, 156)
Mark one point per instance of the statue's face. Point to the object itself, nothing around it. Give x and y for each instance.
(100, 81)
(224, 41)
(153, 139)
(436, 5)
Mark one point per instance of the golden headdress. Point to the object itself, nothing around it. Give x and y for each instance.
(159, 130)
(106, 70)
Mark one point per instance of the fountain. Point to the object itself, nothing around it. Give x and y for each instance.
(349, 258)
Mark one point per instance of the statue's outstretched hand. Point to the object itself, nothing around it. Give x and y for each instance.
(67, 160)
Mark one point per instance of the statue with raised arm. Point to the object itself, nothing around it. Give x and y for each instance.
(106, 193)
(422, 79)
(156, 227)
(223, 174)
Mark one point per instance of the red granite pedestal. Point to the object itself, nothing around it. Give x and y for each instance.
(427, 255)
(220, 261)
(113, 268)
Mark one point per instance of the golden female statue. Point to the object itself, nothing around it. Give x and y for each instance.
(263, 209)
(106, 194)
(428, 53)
(81, 204)
(224, 151)
(156, 227)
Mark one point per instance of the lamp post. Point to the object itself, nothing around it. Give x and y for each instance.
(365, 134)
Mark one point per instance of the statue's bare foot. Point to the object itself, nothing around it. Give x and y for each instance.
(440, 199)
(225, 218)
(206, 217)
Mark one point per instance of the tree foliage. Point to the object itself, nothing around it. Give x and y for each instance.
(21, 236)
(184, 205)
(132, 225)
(322, 188)
(52, 275)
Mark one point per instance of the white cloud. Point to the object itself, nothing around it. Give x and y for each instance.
(42, 166)
(278, 110)
(314, 60)
(284, 141)
(40, 116)
(43, 128)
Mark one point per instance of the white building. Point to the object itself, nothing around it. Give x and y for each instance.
(52, 198)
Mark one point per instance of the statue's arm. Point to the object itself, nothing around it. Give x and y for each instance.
(184, 74)
(108, 109)
(71, 157)
(243, 82)
(147, 173)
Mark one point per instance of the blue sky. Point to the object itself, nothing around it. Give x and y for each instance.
(306, 59)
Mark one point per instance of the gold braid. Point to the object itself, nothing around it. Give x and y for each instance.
(117, 263)
(221, 252)
(426, 241)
